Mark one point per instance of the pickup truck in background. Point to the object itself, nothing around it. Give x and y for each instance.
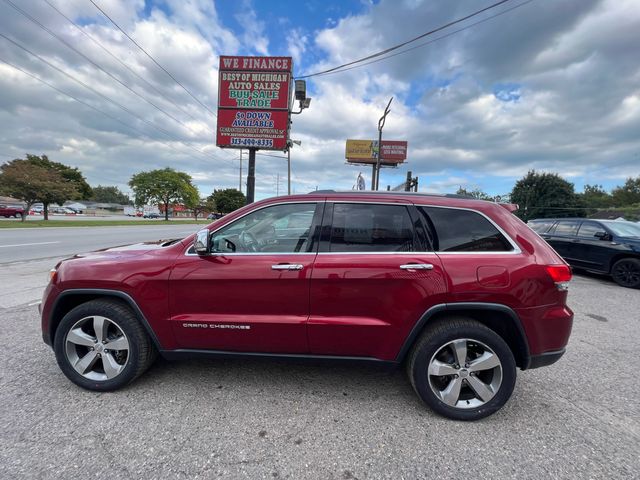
(9, 211)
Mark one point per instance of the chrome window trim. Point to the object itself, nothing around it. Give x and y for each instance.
(229, 254)
(211, 232)
(516, 249)
(411, 253)
(416, 253)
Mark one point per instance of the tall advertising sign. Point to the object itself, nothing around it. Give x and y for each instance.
(253, 102)
(366, 151)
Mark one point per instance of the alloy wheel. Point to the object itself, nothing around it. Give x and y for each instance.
(465, 373)
(97, 348)
(626, 273)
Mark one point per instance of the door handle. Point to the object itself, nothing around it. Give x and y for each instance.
(287, 266)
(416, 266)
(575, 241)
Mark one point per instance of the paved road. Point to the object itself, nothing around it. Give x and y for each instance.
(27, 255)
(84, 218)
(34, 243)
(577, 419)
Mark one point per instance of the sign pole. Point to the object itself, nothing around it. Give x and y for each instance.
(251, 176)
(240, 181)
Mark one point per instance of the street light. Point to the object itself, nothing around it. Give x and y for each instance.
(289, 145)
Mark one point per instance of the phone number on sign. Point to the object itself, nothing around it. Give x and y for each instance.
(252, 142)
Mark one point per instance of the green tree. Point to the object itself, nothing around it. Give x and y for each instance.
(164, 187)
(475, 193)
(594, 197)
(32, 182)
(227, 200)
(109, 194)
(628, 194)
(70, 174)
(543, 195)
(200, 207)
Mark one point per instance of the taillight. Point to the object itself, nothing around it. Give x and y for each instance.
(560, 274)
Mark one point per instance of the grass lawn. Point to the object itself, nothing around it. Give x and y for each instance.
(94, 223)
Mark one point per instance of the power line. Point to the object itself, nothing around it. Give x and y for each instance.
(71, 47)
(400, 45)
(131, 70)
(35, 77)
(420, 45)
(271, 155)
(80, 82)
(153, 59)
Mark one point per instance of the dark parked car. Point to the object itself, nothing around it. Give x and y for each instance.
(460, 292)
(603, 246)
(215, 216)
(151, 215)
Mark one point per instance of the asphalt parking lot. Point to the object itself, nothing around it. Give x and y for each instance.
(251, 419)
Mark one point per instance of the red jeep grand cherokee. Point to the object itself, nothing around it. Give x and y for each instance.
(459, 290)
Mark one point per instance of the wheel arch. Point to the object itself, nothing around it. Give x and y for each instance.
(499, 318)
(69, 299)
(621, 256)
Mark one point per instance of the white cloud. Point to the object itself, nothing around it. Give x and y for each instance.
(546, 86)
(254, 39)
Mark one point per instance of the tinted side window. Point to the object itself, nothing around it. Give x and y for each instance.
(589, 229)
(540, 226)
(276, 229)
(371, 228)
(566, 227)
(463, 231)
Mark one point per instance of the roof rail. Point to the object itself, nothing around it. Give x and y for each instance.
(385, 192)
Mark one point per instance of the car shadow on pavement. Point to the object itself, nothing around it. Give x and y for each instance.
(275, 378)
(595, 276)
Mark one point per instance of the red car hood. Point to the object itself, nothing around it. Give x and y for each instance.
(131, 250)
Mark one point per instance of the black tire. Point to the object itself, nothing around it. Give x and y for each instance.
(434, 341)
(140, 354)
(18, 215)
(626, 272)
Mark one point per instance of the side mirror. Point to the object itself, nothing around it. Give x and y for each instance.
(201, 244)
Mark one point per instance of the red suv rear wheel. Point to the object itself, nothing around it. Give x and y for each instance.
(462, 369)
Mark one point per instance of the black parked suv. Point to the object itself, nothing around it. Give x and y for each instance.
(604, 246)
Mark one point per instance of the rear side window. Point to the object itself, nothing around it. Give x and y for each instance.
(589, 230)
(566, 227)
(454, 230)
(371, 228)
(541, 226)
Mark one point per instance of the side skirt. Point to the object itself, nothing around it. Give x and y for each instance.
(181, 354)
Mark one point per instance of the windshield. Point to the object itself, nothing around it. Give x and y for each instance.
(624, 229)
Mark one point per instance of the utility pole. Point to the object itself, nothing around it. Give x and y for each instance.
(381, 122)
(251, 176)
(240, 181)
(289, 145)
(373, 176)
(289, 170)
(278, 184)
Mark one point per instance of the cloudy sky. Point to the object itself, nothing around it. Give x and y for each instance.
(550, 84)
